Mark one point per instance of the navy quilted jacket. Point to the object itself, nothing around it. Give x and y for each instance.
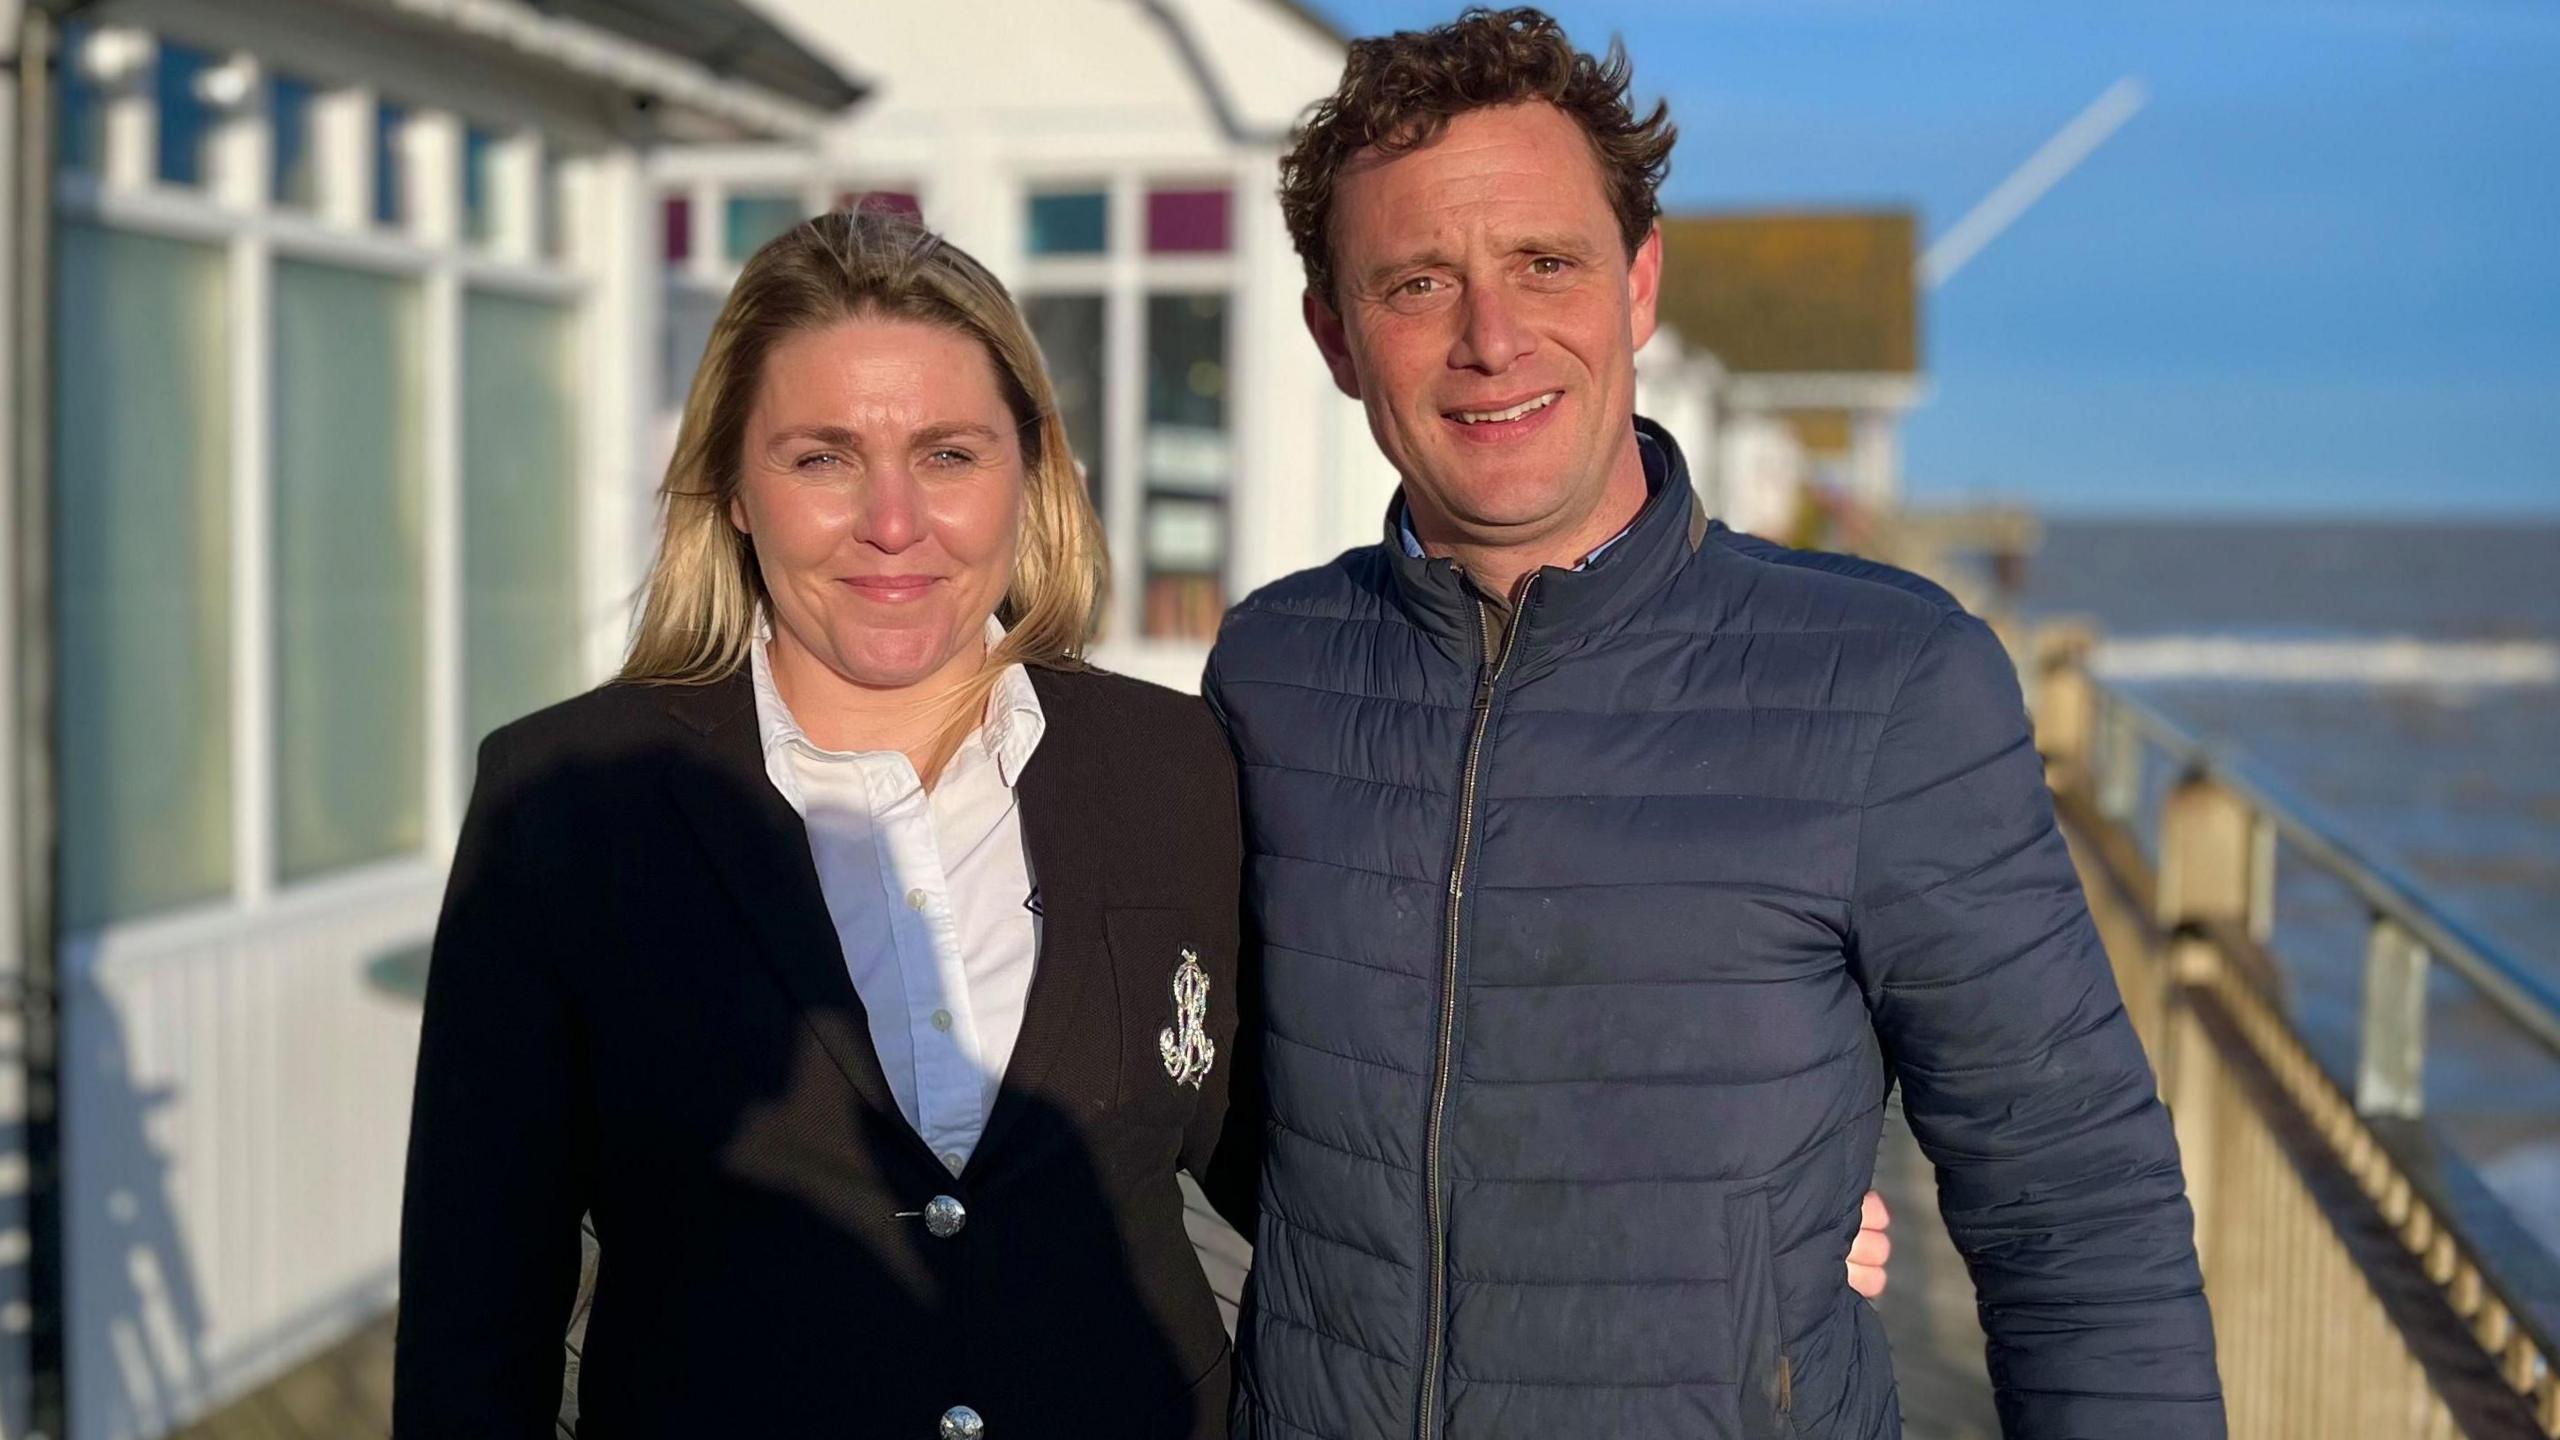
(1588, 957)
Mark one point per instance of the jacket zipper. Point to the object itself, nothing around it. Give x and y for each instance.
(1488, 674)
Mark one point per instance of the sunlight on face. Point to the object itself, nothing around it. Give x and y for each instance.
(1487, 314)
(882, 486)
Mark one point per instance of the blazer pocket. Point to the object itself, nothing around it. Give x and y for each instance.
(1760, 1363)
(1175, 1015)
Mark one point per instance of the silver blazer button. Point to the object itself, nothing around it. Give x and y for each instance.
(943, 1217)
(962, 1423)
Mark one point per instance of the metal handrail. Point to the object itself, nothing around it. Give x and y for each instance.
(2530, 1003)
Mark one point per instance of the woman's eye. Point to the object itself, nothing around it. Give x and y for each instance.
(819, 460)
(949, 458)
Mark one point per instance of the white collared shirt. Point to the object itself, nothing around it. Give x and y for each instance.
(930, 893)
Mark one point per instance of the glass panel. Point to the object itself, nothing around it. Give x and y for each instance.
(677, 225)
(350, 590)
(1186, 465)
(755, 219)
(479, 150)
(1070, 224)
(555, 206)
(297, 177)
(519, 544)
(1187, 222)
(1069, 329)
(81, 120)
(143, 575)
(390, 169)
(186, 121)
(886, 202)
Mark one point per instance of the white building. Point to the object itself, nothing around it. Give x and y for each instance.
(349, 376)
(1116, 162)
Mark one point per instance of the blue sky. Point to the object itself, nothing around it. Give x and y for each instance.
(2320, 272)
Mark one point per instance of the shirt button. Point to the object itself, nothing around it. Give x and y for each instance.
(942, 1021)
(954, 1161)
(917, 899)
(944, 1217)
(962, 1423)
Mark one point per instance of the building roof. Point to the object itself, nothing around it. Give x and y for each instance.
(1795, 293)
(725, 37)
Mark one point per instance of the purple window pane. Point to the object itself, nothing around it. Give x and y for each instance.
(1187, 222)
(884, 202)
(679, 229)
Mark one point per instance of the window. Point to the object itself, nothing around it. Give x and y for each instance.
(82, 116)
(349, 570)
(291, 104)
(479, 158)
(520, 627)
(675, 217)
(1077, 224)
(390, 165)
(1070, 331)
(755, 219)
(1185, 467)
(883, 202)
(143, 579)
(1187, 222)
(186, 119)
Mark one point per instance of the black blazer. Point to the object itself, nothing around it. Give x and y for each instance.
(638, 1009)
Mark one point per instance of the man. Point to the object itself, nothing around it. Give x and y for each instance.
(1610, 866)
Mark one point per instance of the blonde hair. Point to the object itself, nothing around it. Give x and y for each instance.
(704, 594)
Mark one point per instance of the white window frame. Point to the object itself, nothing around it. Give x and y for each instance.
(236, 210)
(1125, 275)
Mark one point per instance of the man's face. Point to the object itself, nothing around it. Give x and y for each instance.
(1487, 314)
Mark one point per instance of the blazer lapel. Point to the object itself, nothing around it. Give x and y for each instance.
(1058, 806)
(760, 849)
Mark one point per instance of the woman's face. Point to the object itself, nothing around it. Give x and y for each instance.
(882, 487)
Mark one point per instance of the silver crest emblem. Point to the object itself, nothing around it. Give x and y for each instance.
(1186, 1047)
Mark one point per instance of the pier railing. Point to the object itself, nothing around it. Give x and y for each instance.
(2364, 1279)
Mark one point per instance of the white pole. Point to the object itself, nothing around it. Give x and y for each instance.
(2044, 169)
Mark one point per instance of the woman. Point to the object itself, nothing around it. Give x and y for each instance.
(859, 961)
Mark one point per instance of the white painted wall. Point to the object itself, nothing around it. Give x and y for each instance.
(236, 1089)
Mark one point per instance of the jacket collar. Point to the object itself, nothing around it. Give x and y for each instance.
(759, 847)
(1565, 604)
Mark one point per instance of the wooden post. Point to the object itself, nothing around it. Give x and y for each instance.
(2065, 704)
(2208, 841)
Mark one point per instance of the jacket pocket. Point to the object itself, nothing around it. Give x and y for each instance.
(1760, 1364)
(1176, 1018)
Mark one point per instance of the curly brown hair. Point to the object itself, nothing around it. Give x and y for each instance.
(1398, 92)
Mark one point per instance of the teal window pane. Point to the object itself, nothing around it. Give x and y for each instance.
(390, 172)
(349, 570)
(291, 105)
(479, 157)
(142, 575)
(80, 119)
(1070, 224)
(519, 542)
(186, 121)
(755, 219)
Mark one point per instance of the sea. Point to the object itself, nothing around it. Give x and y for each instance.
(2399, 684)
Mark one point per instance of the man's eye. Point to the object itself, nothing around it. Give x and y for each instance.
(1419, 285)
(1549, 265)
(818, 460)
